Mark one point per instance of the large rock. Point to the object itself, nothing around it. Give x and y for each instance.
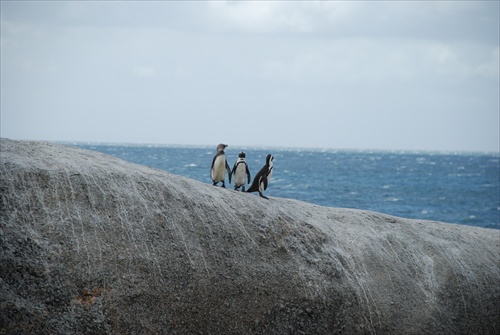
(93, 244)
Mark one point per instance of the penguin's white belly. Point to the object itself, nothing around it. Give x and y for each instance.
(239, 175)
(219, 168)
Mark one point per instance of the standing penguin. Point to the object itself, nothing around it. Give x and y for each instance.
(219, 163)
(262, 178)
(240, 171)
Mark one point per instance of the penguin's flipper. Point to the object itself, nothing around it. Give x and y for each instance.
(264, 181)
(248, 173)
(228, 172)
(263, 185)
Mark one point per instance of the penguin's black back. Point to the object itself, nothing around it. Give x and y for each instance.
(255, 184)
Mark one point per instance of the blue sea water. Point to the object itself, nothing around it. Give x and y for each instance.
(462, 188)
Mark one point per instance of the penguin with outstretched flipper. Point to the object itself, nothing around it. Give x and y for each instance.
(262, 178)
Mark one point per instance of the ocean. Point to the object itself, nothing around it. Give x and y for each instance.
(460, 188)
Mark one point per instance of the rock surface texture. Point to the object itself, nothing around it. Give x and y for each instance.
(91, 244)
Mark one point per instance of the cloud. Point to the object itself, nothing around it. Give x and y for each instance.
(143, 71)
(464, 20)
(490, 68)
(460, 62)
(276, 16)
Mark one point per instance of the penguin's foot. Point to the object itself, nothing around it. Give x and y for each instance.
(243, 189)
(263, 196)
(223, 185)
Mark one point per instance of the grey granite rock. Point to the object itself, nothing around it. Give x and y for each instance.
(91, 244)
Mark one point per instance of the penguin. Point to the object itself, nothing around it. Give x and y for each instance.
(262, 178)
(240, 171)
(219, 163)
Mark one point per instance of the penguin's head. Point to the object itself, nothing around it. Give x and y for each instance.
(241, 155)
(269, 159)
(221, 147)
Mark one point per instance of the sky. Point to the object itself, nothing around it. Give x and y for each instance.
(398, 75)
